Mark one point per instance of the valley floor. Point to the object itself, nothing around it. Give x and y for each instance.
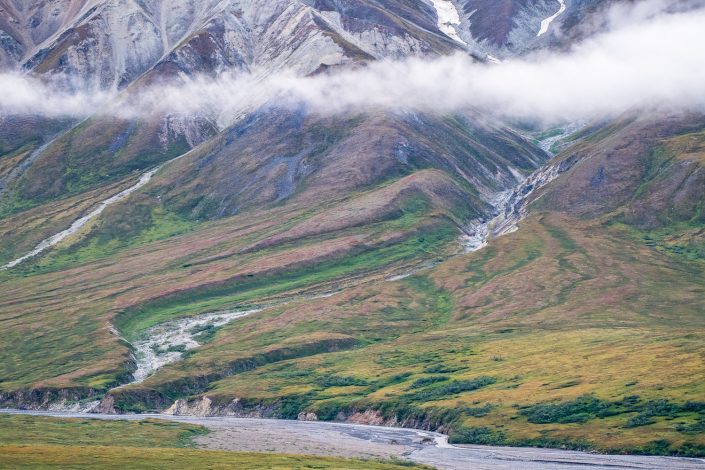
(360, 441)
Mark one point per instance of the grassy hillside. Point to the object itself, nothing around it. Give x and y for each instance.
(645, 171)
(551, 336)
(38, 442)
(582, 329)
(136, 276)
(321, 204)
(92, 154)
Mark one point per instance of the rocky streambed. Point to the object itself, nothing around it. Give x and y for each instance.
(79, 223)
(420, 446)
(166, 342)
(511, 206)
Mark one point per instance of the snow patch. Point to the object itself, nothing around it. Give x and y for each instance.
(493, 59)
(547, 22)
(448, 19)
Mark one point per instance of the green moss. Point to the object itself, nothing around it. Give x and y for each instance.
(450, 389)
(576, 411)
(129, 226)
(27, 430)
(424, 381)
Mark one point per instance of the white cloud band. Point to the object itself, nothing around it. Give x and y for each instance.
(658, 61)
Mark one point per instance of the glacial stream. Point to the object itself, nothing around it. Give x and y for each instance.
(364, 441)
(511, 209)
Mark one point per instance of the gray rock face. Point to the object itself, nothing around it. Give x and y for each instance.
(111, 43)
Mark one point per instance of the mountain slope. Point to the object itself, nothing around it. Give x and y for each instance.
(401, 213)
(315, 264)
(578, 330)
(96, 41)
(645, 170)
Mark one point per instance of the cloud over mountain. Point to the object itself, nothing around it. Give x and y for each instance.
(652, 59)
